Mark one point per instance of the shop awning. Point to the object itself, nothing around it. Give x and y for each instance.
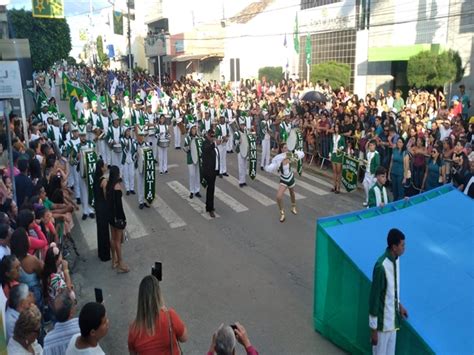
(188, 57)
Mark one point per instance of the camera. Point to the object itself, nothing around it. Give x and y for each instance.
(157, 270)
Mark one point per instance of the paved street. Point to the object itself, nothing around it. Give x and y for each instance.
(243, 266)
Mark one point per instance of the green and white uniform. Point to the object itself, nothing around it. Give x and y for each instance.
(373, 161)
(287, 177)
(193, 169)
(285, 129)
(384, 302)
(336, 148)
(378, 195)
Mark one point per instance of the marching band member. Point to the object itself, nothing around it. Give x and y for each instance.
(378, 193)
(163, 144)
(74, 177)
(266, 128)
(151, 120)
(176, 118)
(94, 118)
(336, 147)
(113, 138)
(282, 163)
(242, 162)
(285, 127)
(141, 143)
(222, 137)
(129, 158)
(54, 132)
(205, 124)
(127, 109)
(230, 117)
(44, 114)
(193, 169)
(373, 162)
(84, 143)
(137, 111)
(248, 121)
(102, 128)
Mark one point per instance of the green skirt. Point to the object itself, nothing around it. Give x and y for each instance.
(335, 158)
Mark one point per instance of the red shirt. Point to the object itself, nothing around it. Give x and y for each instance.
(159, 343)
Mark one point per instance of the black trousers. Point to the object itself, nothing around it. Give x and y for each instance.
(211, 184)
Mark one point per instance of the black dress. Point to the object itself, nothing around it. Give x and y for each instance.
(115, 207)
(102, 220)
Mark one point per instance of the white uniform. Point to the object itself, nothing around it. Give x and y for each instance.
(176, 131)
(242, 162)
(115, 133)
(74, 178)
(224, 132)
(265, 159)
(193, 169)
(152, 119)
(103, 147)
(129, 158)
(229, 115)
(141, 177)
(162, 152)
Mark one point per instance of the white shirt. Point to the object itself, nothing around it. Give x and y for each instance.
(72, 350)
(444, 133)
(15, 348)
(4, 250)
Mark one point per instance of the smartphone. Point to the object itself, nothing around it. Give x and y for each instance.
(157, 270)
(99, 298)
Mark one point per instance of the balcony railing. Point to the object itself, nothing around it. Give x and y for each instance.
(155, 45)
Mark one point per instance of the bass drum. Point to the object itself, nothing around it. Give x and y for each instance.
(195, 150)
(292, 140)
(164, 143)
(244, 145)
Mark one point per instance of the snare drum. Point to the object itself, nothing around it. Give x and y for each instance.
(292, 140)
(164, 143)
(234, 125)
(117, 148)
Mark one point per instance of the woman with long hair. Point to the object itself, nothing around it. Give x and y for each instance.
(156, 328)
(284, 163)
(101, 210)
(434, 174)
(9, 273)
(117, 219)
(337, 147)
(398, 171)
(419, 162)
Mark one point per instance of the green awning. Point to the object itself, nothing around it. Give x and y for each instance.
(391, 54)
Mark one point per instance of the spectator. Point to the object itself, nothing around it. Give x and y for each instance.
(24, 185)
(55, 275)
(9, 273)
(5, 236)
(11, 209)
(64, 308)
(20, 299)
(36, 237)
(26, 332)
(224, 340)
(94, 325)
(154, 323)
(31, 266)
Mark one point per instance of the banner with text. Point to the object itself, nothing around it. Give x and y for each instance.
(350, 169)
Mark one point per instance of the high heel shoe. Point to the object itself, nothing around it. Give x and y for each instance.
(293, 209)
(282, 216)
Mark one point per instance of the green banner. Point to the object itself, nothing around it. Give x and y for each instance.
(91, 96)
(199, 143)
(118, 23)
(299, 146)
(91, 160)
(149, 175)
(252, 156)
(48, 8)
(350, 169)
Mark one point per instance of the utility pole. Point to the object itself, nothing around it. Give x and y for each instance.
(129, 35)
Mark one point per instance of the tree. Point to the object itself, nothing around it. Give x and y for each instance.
(430, 69)
(274, 74)
(338, 74)
(103, 58)
(50, 39)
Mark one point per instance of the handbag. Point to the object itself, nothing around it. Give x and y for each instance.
(170, 329)
(119, 223)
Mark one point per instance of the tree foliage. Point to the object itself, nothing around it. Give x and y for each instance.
(274, 74)
(103, 58)
(338, 74)
(430, 69)
(50, 39)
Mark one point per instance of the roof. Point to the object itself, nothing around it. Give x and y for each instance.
(250, 11)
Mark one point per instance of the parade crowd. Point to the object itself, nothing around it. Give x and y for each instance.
(114, 135)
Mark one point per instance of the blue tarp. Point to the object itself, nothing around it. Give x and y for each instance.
(437, 269)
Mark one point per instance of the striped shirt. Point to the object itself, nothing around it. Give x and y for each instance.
(57, 340)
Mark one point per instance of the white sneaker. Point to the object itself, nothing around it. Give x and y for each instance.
(364, 204)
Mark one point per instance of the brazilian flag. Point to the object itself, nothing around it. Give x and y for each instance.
(73, 93)
(65, 80)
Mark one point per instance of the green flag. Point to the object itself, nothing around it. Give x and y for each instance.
(48, 8)
(308, 49)
(89, 93)
(296, 38)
